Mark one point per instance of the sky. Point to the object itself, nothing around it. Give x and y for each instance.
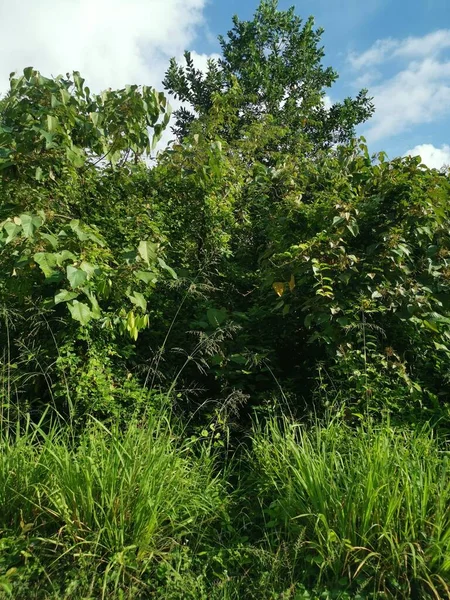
(398, 49)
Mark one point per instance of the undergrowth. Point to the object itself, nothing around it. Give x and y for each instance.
(143, 511)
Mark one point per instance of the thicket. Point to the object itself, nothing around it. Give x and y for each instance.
(224, 372)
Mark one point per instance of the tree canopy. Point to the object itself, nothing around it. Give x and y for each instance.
(277, 61)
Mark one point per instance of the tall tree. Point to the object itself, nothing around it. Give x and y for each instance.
(276, 59)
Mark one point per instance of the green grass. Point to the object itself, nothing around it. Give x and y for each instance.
(369, 504)
(325, 511)
(113, 503)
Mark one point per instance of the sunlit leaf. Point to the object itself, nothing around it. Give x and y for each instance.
(278, 286)
(80, 312)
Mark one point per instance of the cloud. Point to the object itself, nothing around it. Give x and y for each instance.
(327, 101)
(201, 60)
(419, 92)
(410, 47)
(374, 55)
(435, 158)
(111, 42)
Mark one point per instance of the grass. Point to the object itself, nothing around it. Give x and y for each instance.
(112, 503)
(326, 511)
(369, 504)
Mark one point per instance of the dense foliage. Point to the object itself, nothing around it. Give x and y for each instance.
(166, 325)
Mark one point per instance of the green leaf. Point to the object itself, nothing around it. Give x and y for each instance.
(167, 268)
(147, 251)
(430, 326)
(52, 123)
(88, 268)
(95, 118)
(75, 276)
(76, 156)
(95, 307)
(47, 262)
(65, 96)
(216, 317)
(52, 239)
(12, 230)
(28, 72)
(343, 321)
(30, 223)
(354, 229)
(238, 359)
(146, 276)
(76, 227)
(65, 296)
(138, 300)
(64, 255)
(80, 312)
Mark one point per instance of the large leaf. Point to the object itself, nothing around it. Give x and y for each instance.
(47, 262)
(80, 312)
(76, 277)
(147, 251)
(64, 255)
(216, 317)
(52, 239)
(30, 223)
(146, 276)
(65, 296)
(77, 228)
(138, 300)
(52, 123)
(167, 268)
(12, 229)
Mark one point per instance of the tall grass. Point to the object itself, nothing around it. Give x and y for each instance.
(113, 503)
(368, 504)
(325, 511)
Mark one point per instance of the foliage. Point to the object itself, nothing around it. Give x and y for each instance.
(46, 123)
(335, 268)
(369, 281)
(64, 148)
(264, 265)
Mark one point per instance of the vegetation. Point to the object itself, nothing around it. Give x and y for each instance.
(224, 373)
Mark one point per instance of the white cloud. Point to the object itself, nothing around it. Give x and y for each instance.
(419, 92)
(327, 101)
(411, 47)
(201, 60)
(436, 158)
(374, 55)
(111, 42)
(428, 45)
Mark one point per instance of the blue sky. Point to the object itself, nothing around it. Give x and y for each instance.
(398, 49)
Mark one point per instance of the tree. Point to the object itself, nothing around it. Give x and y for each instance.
(276, 59)
(79, 256)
